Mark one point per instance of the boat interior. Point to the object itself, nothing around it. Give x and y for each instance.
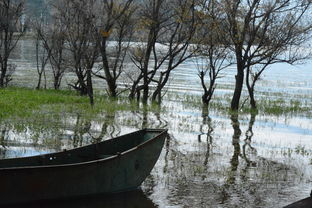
(101, 150)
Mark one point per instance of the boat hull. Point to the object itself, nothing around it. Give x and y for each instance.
(121, 172)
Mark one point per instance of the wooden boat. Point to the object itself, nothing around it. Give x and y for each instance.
(111, 166)
(304, 203)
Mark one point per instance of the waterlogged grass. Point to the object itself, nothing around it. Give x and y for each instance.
(283, 106)
(23, 102)
(271, 105)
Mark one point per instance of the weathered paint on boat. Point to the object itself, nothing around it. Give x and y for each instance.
(110, 166)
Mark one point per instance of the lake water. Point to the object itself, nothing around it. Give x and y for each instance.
(210, 160)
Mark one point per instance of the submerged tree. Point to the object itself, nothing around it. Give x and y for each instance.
(214, 54)
(42, 53)
(55, 42)
(78, 20)
(261, 32)
(115, 24)
(176, 38)
(12, 28)
(152, 17)
(51, 36)
(167, 28)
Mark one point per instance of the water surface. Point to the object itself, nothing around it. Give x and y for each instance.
(211, 159)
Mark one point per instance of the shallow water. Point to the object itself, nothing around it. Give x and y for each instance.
(210, 160)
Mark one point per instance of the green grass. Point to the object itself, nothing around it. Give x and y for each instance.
(23, 102)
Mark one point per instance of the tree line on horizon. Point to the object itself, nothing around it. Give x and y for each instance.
(143, 41)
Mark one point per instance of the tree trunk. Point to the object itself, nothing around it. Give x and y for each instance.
(251, 93)
(239, 80)
(81, 80)
(45, 80)
(132, 93)
(157, 93)
(90, 87)
(251, 90)
(56, 83)
(110, 80)
(208, 93)
(3, 73)
(1, 81)
(39, 81)
(156, 97)
(207, 97)
(112, 87)
(151, 42)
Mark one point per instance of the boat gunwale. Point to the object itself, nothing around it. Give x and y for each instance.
(162, 132)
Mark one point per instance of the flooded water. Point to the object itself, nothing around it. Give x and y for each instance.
(211, 159)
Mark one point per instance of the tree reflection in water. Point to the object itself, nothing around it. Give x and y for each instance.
(203, 163)
(3, 141)
(82, 127)
(236, 153)
(237, 148)
(247, 145)
(84, 130)
(109, 128)
(206, 121)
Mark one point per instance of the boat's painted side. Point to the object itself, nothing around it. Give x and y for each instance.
(120, 171)
(304, 203)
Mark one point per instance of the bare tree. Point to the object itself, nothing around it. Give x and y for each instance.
(290, 48)
(153, 16)
(260, 32)
(114, 25)
(166, 30)
(176, 38)
(214, 59)
(52, 39)
(42, 53)
(56, 43)
(214, 54)
(12, 28)
(79, 20)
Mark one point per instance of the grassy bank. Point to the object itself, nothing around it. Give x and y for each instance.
(23, 102)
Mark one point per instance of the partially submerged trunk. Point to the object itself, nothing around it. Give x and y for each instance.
(239, 81)
(90, 87)
(110, 80)
(208, 92)
(251, 90)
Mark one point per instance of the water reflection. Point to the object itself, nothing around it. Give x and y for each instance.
(3, 140)
(107, 129)
(247, 145)
(133, 199)
(82, 127)
(236, 144)
(144, 118)
(71, 131)
(204, 163)
(206, 121)
(211, 163)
